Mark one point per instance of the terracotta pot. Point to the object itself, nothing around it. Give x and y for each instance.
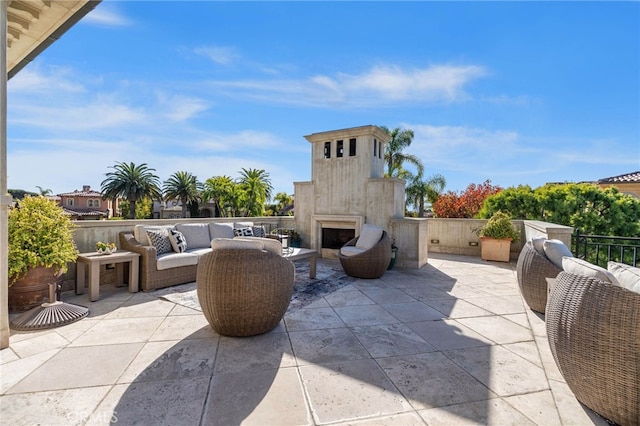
(32, 290)
(494, 249)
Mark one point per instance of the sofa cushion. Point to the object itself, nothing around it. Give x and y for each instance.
(174, 260)
(140, 232)
(236, 244)
(350, 250)
(582, 267)
(538, 245)
(268, 244)
(369, 236)
(220, 230)
(199, 251)
(196, 234)
(246, 231)
(178, 241)
(160, 240)
(242, 224)
(627, 275)
(555, 250)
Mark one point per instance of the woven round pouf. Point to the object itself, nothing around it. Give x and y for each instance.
(244, 292)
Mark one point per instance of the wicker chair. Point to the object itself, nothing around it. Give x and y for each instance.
(532, 270)
(371, 263)
(244, 292)
(594, 334)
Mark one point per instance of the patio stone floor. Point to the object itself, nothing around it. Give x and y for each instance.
(449, 344)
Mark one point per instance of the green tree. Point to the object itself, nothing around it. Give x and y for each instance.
(220, 190)
(420, 191)
(144, 209)
(44, 192)
(282, 200)
(256, 185)
(132, 183)
(182, 186)
(583, 206)
(400, 139)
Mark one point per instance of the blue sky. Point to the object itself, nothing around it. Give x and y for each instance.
(518, 93)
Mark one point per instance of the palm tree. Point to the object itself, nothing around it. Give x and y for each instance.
(182, 186)
(44, 192)
(132, 183)
(257, 188)
(395, 158)
(282, 200)
(220, 190)
(419, 191)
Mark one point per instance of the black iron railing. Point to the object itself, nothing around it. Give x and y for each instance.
(599, 249)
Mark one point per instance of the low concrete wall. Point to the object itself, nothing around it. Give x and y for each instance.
(414, 237)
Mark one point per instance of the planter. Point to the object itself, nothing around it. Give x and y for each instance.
(32, 290)
(495, 249)
(394, 252)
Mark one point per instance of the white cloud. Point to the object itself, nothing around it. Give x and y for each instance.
(380, 86)
(223, 55)
(106, 15)
(180, 107)
(56, 80)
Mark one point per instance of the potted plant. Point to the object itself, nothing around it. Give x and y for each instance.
(40, 247)
(294, 238)
(496, 237)
(394, 252)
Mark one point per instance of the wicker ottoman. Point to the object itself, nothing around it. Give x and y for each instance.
(244, 292)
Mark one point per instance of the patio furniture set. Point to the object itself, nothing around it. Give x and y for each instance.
(592, 317)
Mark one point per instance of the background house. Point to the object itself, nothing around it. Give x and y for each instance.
(86, 204)
(628, 183)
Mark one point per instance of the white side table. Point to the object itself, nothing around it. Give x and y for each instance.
(92, 262)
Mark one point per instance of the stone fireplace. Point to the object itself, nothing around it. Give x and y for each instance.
(347, 190)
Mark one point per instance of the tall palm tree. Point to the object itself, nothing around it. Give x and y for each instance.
(257, 188)
(419, 191)
(220, 190)
(182, 186)
(282, 200)
(132, 183)
(395, 158)
(44, 192)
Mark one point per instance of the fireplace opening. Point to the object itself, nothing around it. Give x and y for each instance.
(333, 238)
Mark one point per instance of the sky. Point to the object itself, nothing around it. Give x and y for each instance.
(518, 93)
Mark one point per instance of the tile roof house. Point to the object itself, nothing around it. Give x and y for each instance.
(628, 183)
(86, 204)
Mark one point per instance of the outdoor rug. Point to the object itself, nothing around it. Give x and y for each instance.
(329, 277)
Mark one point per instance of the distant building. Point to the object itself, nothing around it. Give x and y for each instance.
(628, 183)
(86, 204)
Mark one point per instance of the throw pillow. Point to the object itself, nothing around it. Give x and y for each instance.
(160, 240)
(555, 251)
(369, 236)
(178, 242)
(627, 275)
(258, 231)
(243, 232)
(582, 267)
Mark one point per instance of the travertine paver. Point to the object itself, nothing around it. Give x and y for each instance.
(451, 343)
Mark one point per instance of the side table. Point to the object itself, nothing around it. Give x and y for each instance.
(91, 262)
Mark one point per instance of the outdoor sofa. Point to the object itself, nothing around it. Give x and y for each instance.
(169, 254)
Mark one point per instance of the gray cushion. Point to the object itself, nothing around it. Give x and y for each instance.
(160, 240)
(582, 267)
(236, 244)
(538, 245)
(221, 230)
(555, 250)
(369, 236)
(196, 234)
(627, 275)
(140, 232)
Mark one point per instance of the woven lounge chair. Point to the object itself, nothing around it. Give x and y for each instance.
(244, 291)
(532, 270)
(594, 334)
(371, 263)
